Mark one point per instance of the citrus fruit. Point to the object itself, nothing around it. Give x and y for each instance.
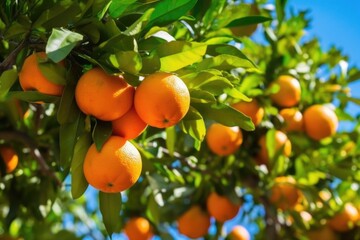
(345, 220)
(281, 141)
(221, 208)
(239, 233)
(284, 193)
(162, 100)
(31, 77)
(128, 126)
(115, 168)
(10, 158)
(289, 93)
(103, 96)
(194, 223)
(293, 119)
(247, 30)
(251, 109)
(320, 122)
(138, 228)
(223, 140)
(324, 232)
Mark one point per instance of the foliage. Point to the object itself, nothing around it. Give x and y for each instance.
(191, 39)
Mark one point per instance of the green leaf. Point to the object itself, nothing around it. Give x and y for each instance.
(270, 143)
(32, 96)
(61, 42)
(167, 11)
(53, 71)
(193, 124)
(78, 180)
(233, 92)
(129, 61)
(68, 110)
(178, 54)
(118, 7)
(201, 96)
(110, 207)
(170, 139)
(248, 20)
(218, 49)
(225, 62)
(119, 42)
(7, 79)
(139, 24)
(102, 131)
(280, 10)
(225, 115)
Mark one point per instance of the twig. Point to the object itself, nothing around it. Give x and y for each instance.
(29, 142)
(11, 58)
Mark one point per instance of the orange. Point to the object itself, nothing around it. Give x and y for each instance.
(284, 193)
(289, 93)
(345, 220)
(31, 77)
(103, 96)
(239, 233)
(293, 119)
(129, 126)
(223, 140)
(138, 228)
(247, 30)
(251, 109)
(322, 233)
(9, 157)
(221, 208)
(194, 223)
(281, 140)
(320, 122)
(115, 168)
(162, 100)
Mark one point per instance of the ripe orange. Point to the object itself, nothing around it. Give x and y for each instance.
(31, 77)
(320, 122)
(138, 228)
(284, 193)
(129, 126)
(115, 168)
(162, 100)
(251, 109)
(289, 93)
(247, 30)
(194, 223)
(223, 140)
(345, 220)
(10, 158)
(293, 119)
(280, 140)
(239, 233)
(322, 233)
(221, 208)
(103, 96)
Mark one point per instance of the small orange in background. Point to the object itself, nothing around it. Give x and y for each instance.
(194, 223)
(289, 93)
(138, 228)
(324, 232)
(31, 77)
(251, 109)
(320, 122)
(284, 193)
(346, 219)
(223, 140)
(221, 208)
(239, 233)
(10, 158)
(162, 100)
(103, 96)
(115, 168)
(281, 140)
(129, 126)
(293, 119)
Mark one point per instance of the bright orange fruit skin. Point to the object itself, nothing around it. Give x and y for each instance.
(129, 126)
(239, 233)
(345, 220)
(284, 193)
(194, 223)
(320, 122)
(223, 140)
(221, 208)
(138, 228)
(103, 96)
(115, 168)
(9, 157)
(293, 120)
(251, 109)
(162, 100)
(289, 93)
(31, 78)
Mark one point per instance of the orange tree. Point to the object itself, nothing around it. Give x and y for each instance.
(120, 94)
